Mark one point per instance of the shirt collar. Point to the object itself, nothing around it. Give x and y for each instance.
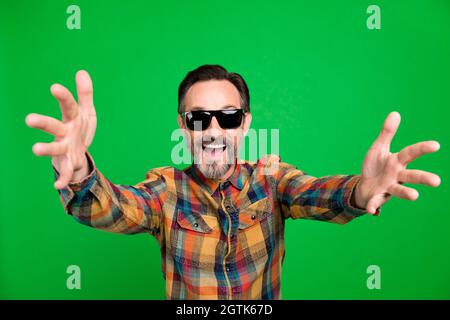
(237, 178)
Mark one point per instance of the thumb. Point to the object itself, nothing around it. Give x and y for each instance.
(376, 202)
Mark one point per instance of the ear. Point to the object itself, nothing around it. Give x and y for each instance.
(247, 122)
(181, 123)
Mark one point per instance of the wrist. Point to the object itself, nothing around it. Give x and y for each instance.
(82, 172)
(357, 199)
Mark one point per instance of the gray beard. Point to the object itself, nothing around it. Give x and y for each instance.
(216, 170)
(213, 171)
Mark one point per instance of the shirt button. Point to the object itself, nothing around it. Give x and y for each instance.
(228, 269)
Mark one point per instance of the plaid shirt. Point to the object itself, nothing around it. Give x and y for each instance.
(218, 239)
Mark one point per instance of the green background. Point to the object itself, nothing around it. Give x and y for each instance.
(314, 71)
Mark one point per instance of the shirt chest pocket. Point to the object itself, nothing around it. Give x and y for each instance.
(256, 230)
(197, 223)
(255, 214)
(194, 239)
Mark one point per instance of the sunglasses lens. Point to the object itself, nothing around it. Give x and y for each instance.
(229, 119)
(198, 120)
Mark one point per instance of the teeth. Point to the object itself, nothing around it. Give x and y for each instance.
(215, 146)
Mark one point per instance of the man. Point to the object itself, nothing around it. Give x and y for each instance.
(219, 222)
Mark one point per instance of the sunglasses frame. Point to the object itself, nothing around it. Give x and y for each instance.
(213, 114)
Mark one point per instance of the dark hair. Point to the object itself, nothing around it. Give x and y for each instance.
(213, 72)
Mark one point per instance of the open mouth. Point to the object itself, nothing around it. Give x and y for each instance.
(214, 149)
(213, 146)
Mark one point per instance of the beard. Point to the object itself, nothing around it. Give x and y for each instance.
(214, 155)
(214, 171)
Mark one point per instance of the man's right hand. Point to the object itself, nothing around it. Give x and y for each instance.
(73, 135)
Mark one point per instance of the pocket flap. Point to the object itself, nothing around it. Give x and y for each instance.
(254, 213)
(196, 222)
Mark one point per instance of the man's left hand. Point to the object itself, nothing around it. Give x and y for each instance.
(383, 172)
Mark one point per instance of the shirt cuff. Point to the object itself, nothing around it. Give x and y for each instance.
(68, 193)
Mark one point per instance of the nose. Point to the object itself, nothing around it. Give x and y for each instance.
(214, 129)
(214, 124)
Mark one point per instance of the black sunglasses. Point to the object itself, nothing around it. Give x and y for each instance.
(201, 119)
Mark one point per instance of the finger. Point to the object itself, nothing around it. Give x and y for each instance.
(84, 89)
(419, 177)
(49, 149)
(409, 153)
(376, 202)
(66, 101)
(403, 192)
(65, 174)
(46, 124)
(388, 131)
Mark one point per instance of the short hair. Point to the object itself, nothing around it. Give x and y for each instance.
(213, 72)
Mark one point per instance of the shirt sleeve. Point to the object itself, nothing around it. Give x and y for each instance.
(328, 198)
(98, 203)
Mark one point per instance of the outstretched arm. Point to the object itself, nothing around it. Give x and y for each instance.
(85, 193)
(341, 198)
(98, 203)
(328, 198)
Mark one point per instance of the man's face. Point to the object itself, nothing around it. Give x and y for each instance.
(215, 149)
